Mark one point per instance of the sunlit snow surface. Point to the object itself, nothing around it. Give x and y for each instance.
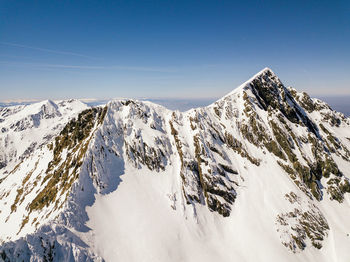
(121, 210)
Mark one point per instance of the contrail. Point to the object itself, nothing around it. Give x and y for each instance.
(46, 50)
(89, 67)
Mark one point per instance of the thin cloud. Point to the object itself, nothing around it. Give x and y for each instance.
(47, 50)
(145, 69)
(63, 66)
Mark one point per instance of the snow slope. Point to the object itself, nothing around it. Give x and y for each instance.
(261, 174)
(24, 156)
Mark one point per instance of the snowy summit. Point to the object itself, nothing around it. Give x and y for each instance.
(261, 174)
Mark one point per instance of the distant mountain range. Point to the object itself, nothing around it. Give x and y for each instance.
(261, 174)
(338, 103)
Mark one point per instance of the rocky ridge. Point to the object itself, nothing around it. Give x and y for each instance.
(210, 153)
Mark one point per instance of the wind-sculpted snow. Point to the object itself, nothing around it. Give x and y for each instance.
(25, 156)
(264, 167)
(49, 243)
(26, 128)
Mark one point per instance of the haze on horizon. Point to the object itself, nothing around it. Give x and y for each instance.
(164, 49)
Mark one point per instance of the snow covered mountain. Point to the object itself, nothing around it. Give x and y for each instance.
(261, 174)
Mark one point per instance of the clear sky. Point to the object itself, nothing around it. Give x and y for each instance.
(105, 49)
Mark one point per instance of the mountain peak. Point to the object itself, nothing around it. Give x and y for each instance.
(265, 91)
(264, 71)
(265, 75)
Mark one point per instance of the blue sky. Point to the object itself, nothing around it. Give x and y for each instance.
(182, 49)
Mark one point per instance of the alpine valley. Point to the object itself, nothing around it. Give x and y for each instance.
(260, 175)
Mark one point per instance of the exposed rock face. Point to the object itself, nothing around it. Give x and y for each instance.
(209, 152)
(304, 224)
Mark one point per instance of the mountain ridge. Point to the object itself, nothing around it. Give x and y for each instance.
(203, 161)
